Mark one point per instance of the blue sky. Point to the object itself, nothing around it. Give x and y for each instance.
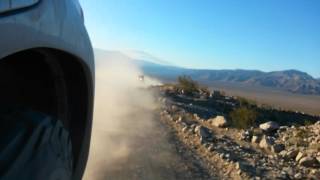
(212, 34)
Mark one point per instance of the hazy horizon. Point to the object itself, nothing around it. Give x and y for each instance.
(163, 62)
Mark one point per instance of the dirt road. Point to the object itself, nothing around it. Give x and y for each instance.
(153, 153)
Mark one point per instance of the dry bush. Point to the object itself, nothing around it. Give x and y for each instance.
(188, 85)
(243, 118)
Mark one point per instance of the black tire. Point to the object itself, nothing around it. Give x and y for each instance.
(33, 146)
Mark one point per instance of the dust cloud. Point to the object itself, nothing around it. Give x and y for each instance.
(123, 114)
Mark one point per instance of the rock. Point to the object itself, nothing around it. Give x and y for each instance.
(299, 156)
(238, 166)
(284, 175)
(193, 127)
(283, 128)
(269, 126)
(292, 153)
(283, 153)
(210, 148)
(276, 148)
(298, 176)
(196, 130)
(174, 108)
(185, 129)
(204, 133)
(196, 116)
(285, 138)
(246, 135)
(289, 170)
(266, 142)
(308, 162)
(255, 139)
(219, 121)
(239, 172)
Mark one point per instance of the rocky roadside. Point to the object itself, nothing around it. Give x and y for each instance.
(264, 152)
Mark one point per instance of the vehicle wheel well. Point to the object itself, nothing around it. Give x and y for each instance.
(52, 82)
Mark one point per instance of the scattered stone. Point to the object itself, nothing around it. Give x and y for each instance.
(219, 121)
(292, 153)
(204, 133)
(246, 135)
(299, 156)
(276, 148)
(238, 166)
(196, 130)
(255, 139)
(283, 128)
(266, 142)
(269, 126)
(196, 116)
(210, 148)
(308, 162)
(298, 176)
(239, 172)
(185, 129)
(174, 108)
(284, 175)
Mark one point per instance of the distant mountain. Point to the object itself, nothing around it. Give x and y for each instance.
(290, 80)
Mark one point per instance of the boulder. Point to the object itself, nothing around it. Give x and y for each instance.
(219, 121)
(266, 142)
(269, 126)
(308, 162)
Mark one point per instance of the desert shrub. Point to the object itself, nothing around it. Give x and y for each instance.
(243, 117)
(205, 89)
(308, 122)
(246, 102)
(188, 85)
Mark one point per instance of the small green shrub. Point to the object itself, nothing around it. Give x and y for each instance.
(307, 122)
(243, 117)
(188, 85)
(246, 102)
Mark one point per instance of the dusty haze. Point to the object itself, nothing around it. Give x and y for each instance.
(117, 125)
